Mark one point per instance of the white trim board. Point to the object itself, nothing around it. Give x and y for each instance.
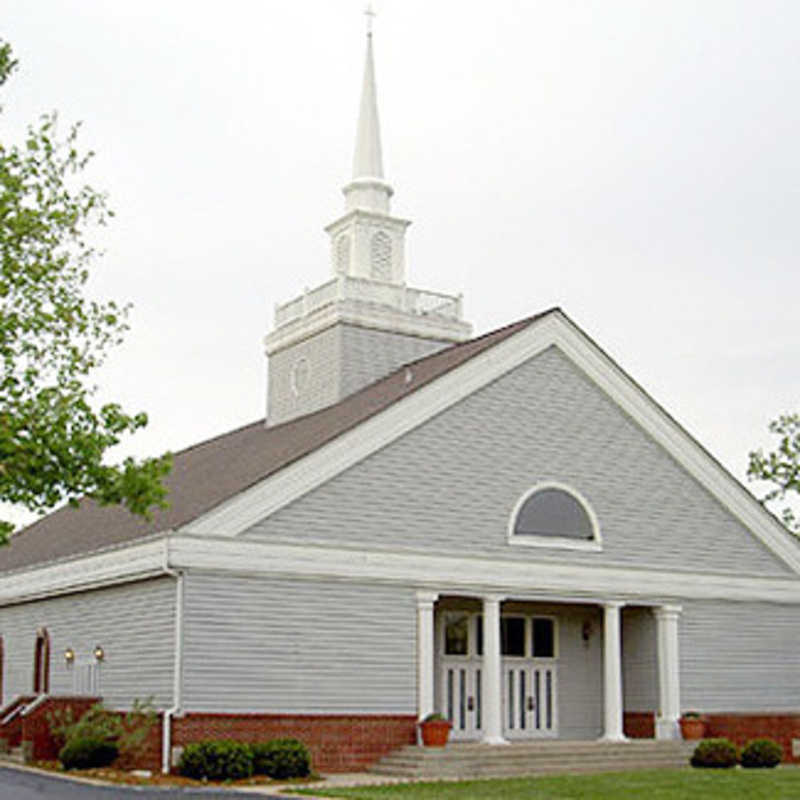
(554, 329)
(472, 576)
(118, 565)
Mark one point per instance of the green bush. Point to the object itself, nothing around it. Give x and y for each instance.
(84, 753)
(217, 760)
(716, 753)
(762, 753)
(128, 732)
(281, 759)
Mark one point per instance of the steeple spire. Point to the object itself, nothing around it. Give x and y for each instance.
(368, 189)
(367, 159)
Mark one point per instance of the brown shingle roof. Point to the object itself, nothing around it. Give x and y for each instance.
(208, 473)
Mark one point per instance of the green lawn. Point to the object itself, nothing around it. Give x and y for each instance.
(774, 784)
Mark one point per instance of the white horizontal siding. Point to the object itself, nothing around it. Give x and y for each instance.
(739, 657)
(133, 623)
(451, 484)
(294, 646)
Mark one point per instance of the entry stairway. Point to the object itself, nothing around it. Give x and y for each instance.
(473, 760)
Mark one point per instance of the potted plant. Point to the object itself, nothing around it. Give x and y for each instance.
(435, 730)
(693, 726)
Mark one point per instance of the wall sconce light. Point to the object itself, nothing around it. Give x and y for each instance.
(69, 655)
(586, 631)
(99, 653)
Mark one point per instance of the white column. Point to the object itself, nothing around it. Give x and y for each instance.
(425, 643)
(612, 672)
(491, 672)
(669, 687)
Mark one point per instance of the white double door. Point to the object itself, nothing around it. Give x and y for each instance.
(529, 684)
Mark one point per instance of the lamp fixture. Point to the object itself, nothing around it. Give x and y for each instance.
(99, 653)
(69, 655)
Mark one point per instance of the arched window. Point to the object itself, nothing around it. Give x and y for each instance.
(2, 670)
(41, 662)
(342, 254)
(554, 515)
(381, 256)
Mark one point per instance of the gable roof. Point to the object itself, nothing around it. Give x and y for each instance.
(213, 471)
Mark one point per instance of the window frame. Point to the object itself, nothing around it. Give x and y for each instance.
(595, 544)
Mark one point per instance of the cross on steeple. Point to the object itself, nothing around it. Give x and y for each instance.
(369, 13)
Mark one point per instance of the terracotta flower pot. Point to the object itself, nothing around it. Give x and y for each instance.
(435, 732)
(692, 728)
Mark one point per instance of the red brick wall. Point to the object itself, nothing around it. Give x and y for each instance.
(741, 728)
(639, 724)
(36, 737)
(337, 743)
(11, 732)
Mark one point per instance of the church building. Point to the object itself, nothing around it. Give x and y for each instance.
(504, 529)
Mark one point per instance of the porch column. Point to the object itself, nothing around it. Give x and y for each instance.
(612, 672)
(425, 601)
(669, 688)
(492, 677)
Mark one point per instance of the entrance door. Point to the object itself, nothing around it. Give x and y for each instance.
(460, 674)
(529, 700)
(529, 675)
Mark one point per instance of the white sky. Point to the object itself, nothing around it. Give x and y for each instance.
(636, 163)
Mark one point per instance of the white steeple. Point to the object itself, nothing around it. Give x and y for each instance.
(368, 190)
(365, 321)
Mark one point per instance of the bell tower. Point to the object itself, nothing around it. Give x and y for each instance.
(365, 321)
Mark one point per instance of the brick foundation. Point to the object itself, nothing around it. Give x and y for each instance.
(639, 724)
(38, 743)
(11, 732)
(337, 743)
(741, 728)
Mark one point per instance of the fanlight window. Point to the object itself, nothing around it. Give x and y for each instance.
(551, 515)
(381, 256)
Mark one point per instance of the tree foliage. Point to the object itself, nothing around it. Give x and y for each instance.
(780, 467)
(53, 439)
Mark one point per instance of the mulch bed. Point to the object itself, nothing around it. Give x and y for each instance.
(111, 775)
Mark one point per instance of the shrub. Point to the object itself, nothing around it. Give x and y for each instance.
(762, 753)
(87, 752)
(217, 760)
(716, 753)
(127, 733)
(281, 758)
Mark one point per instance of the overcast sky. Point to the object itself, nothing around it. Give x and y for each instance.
(636, 163)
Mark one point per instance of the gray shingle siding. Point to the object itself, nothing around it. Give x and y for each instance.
(739, 657)
(370, 354)
(134, 624)
(639, 660)
(294, 646)
(450, 485)
(342, 359)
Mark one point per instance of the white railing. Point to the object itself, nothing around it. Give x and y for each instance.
(344, 287)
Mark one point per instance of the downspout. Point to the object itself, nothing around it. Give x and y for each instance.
(177, 684)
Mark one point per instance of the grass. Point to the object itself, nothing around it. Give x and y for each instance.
(676, 784)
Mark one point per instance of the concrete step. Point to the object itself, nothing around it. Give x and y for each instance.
(473, 760)
(14, 755)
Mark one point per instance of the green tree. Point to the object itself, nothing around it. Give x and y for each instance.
(780, 467)
(53, 439)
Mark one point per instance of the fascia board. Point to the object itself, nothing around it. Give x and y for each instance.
(121, 564)
(473, 576)
(697, 461)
